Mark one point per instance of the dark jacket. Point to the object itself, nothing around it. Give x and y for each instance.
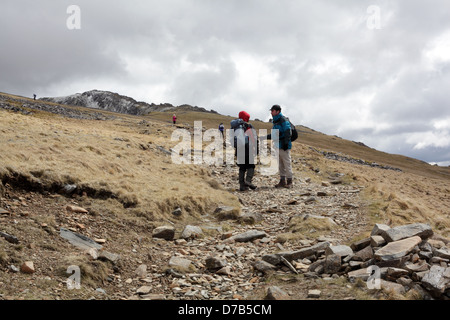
(283, 126)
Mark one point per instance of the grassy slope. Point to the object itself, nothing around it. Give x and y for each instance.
(111, 155)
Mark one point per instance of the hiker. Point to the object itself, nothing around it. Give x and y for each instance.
(174, 119)
(284, 145)
(34, 96)
(221, 128)
(245, 142)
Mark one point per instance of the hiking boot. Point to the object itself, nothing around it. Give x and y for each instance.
(289, 184)
(250, 185)
(282, 183)
(248, 180)
(243, 188)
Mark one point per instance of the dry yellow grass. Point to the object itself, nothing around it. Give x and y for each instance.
(111, 157)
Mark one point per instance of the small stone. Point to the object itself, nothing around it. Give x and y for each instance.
(377, 241)
(144, 290)
(93, 253)
(191, 232)
(275, 293)
(141, 271)
(315, 294)
(164, 232)
(177, 212)
(215, 263)
(28, 267)
(76, 209)
(378, 229)
(340, 250)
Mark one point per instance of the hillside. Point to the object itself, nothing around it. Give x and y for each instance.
(109, 177)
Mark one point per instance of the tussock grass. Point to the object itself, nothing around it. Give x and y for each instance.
(105, 159)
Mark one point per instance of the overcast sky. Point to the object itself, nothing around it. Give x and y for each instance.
(376, 72)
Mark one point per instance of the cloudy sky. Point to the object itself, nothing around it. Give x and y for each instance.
(376, 72)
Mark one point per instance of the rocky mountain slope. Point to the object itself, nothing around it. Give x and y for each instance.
(114, 102)
(100, 194)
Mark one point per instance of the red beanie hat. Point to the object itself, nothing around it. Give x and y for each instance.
(244, 116)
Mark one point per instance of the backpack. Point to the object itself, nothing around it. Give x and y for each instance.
(239, 137)
(294, 132)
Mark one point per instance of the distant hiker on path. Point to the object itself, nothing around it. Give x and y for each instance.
(221, 128)
(284, 145)
(34, 96)
(174, 119)
(245, 142)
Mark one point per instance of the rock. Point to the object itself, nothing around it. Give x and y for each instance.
(359, 245)
(378, 229)
(14, 269)
(421, 230)
(314, 294)
(272, 259)
(93, 253)
(108, 256)
(79, 240)
(377, 241)
(144, 290)
(305, 252)
(3, 211)
(251, 218)
(263, 266)
(442, 253)
(364, 254)
(141, 271)
(214, 263)
(153, 296)
(362, 274)
(177, 212)
(76, 209)
(180, 263)
(275, 293)
(437, 280)
(227, 213)
(417, 267)
(9, 238)
(397, 249)
(224, 271)
(341, 250)
(164, 232)
(395, 273)
(69, 188)
(392, 287)
(27, 267)
(438, 244)
(249, 236)
(191, 232)
(332, 264)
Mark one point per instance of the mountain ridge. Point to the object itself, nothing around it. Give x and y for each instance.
(115, 102)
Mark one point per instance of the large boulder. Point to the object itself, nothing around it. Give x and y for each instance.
(397, 249)
(421, 230)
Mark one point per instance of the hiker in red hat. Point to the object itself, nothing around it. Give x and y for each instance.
(245, 142)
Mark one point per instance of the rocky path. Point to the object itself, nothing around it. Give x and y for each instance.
(214, 259)
(225, 263)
